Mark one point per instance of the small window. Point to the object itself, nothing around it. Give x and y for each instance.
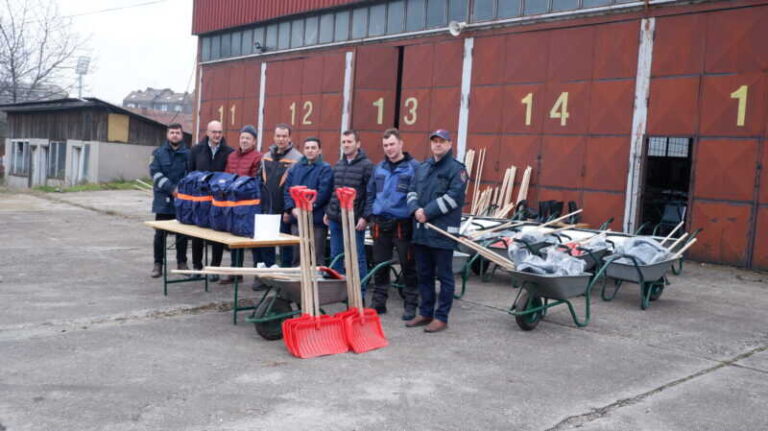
(678, 147)
(248, 42)
(457, 10)
(415, 15)
(657, 147)
(558, 5)
(297, 33)
(236, 49)
(215, 47)
(483, 10)
(258, 37)
(359, 23)
(395, 17)
(284, 35)
(57, 156)
(377, 21)
(310, 30)
(595, 3)
(86, 161)
(668, 147)
(509, 8)
(534, 7)
(272, 36)
(342, 26)
(206, 48)
(20, 158)
(226, 45)
(177, 108)
(326, 28)
(437, 13)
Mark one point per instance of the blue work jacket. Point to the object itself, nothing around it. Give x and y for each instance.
(317, 175)
(388, 189)
(167, 168)
(438, 189)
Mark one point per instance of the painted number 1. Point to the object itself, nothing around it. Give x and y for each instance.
(528, 102)
(741, 95)
(379, 104)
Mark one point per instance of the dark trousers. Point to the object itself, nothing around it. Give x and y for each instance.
(217, 250)
(434, 263)
(321, 233)
(267, 254)
(386, 236)
(181, 242)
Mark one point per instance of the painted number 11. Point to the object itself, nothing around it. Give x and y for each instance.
(741, 95)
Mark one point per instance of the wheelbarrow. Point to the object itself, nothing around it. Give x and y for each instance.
(537, 290)
(650, 277)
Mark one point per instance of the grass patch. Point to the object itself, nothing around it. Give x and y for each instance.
(113, 185)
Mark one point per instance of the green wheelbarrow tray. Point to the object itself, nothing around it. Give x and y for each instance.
(536, 290)
(651, 277)
(329, 291)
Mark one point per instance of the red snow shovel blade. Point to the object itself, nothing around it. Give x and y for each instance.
(319, 336)
(289, 331)
(364, 332)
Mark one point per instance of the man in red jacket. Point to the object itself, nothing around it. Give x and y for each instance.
(244, 161)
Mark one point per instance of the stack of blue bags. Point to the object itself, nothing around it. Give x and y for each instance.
(220, 201)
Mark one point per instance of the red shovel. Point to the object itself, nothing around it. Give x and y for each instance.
(316, 335)
(288, 325)
(361, 325)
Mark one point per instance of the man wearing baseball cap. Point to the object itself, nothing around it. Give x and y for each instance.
(436, 197)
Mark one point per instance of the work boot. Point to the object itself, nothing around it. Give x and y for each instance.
(157, 270)
(418, 321)
(409, 314)
(182, 266)
(436, 326)
(380, 308)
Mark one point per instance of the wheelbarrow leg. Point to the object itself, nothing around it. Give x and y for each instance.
(603, 292)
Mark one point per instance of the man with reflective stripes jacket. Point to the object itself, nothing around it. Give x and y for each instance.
(275, 164)
(168, 167)
(436, 197)
(209, 155)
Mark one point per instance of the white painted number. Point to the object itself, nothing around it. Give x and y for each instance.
(741, 114)
(412, 104)
(560, 109)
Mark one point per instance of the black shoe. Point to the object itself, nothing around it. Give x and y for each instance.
(213, 278)
(381, 309)
(409, 314)
(157, 270)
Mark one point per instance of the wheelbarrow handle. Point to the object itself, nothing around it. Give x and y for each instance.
(346, 197)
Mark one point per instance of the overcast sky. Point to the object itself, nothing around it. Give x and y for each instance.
(135, 44)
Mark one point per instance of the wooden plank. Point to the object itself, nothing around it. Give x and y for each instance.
(226, 238)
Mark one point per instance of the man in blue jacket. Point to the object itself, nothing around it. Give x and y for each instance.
(168, 167)
(313, 172)
(436, 197)
(391, 223)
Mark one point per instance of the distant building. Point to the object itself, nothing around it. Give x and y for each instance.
(159, 100)
(72, 141)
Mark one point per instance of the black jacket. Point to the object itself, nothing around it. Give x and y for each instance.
(355, 174)
(200, 158)
(274, 172)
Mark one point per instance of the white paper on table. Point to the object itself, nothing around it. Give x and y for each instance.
(266, 226)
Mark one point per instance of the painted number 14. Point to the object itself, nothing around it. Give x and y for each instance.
(559, 109)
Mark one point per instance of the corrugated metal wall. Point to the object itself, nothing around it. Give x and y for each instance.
(212, 15)
(699, 59)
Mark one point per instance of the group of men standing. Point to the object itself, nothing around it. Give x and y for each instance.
(396, 199)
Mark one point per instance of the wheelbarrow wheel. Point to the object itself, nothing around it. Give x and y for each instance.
(271, 329)
(480, 265)
(528, 322)
(656, 290)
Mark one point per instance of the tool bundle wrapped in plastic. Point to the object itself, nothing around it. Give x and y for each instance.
(555, 262)
(219, 216)
(192, 193)
(243, 202)
(645, 250)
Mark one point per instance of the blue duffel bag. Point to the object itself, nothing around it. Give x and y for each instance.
(201, 208)
(187, 196)
(220, 208)
(244, 198)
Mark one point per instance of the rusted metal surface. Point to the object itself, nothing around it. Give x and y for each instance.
(673, 107)
(736, 41)
(763, 196)
(600, 206)
(527, 57)
(612, 43)
(725, 169)
(571, 54)
(720, 109)
(725, 235)
(562, 161)
(212, 15)
(605, 166)
(679, 45)
(760, 252)
(611, 105)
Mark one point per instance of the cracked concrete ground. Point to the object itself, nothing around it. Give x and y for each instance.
(88, 342)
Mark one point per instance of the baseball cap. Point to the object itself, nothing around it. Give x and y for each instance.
(441, 133)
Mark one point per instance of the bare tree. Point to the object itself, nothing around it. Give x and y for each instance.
(36, 46)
